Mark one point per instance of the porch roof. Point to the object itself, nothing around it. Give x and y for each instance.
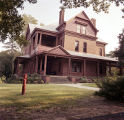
(59, 50)
(24, 56)
(50, 27)
(92, 56)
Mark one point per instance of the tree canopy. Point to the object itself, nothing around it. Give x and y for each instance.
(98, 5)
(28, 19)
(11, 23)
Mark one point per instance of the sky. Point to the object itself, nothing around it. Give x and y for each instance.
(109, 25)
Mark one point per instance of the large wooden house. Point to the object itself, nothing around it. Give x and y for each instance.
(70, 48)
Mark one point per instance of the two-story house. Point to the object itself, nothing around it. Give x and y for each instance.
(70, 48)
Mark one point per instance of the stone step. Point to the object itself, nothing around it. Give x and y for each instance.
(59, 79)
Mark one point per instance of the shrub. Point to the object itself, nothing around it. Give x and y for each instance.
(83, 80)
(111, 87)
(87, 79)
(14, 79)
(2, 79)
(34, 78)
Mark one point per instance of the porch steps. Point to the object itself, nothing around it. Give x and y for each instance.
(59, 79)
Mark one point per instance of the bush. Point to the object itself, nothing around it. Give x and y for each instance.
(83, 80)
(87, 79)
(34, 78)
(111, 87)
(2, 79)
(14, 79)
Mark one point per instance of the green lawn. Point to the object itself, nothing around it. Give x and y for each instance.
(40, 96)
(90, 84)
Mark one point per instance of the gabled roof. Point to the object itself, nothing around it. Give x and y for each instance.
(59, 50)
(83, 15)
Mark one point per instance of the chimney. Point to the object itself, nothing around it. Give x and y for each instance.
(93, 21)
(61, 16)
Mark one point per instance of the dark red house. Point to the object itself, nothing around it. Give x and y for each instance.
(70, 48)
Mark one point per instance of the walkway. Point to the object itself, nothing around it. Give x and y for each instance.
(79, 85)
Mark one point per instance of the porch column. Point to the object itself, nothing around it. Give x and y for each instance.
(45, 64)
(56, 40)
(110, 68)
(36, 39)
(17, 67)
(36, 64)
(41, 64)
(29, 67)
(98, 68)
(84, 68)
(40, 39)
(69, 66)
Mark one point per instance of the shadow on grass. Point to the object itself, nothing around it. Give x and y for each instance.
(41, 96)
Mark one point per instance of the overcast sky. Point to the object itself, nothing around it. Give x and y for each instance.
(109, 25)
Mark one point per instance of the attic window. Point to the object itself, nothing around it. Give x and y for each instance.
(78, 28)
(81, 29)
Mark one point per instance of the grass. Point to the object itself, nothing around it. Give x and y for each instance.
(40, 96)
(90, 84)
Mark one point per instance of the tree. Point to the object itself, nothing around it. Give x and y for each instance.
(28, 19)
(120, 52)
(110, 54)
(11, 23)
(98, 5)
(12, 48)
(6, 60)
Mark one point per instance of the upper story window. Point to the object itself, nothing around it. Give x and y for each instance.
(76, 45)
(81, 29)
(100, 51)
(85, 47)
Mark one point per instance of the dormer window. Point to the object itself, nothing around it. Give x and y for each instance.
(81, 29)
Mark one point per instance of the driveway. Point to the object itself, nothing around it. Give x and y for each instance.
(79, 85)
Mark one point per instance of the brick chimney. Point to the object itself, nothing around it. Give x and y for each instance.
(61, 16)
(93, 21)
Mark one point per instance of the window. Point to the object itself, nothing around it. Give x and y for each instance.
(100, 51)
(78, 28)
(76, 67)
(83, 30)
(85, 47)
(76, 45)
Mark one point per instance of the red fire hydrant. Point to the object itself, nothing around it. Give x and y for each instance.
(24, 84)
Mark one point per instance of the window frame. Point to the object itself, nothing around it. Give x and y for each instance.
(85, 47)
(78, 28)
(83, 29)
(77, 46)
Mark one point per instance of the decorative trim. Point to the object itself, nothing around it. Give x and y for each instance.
(67, 32)
(81, 23)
